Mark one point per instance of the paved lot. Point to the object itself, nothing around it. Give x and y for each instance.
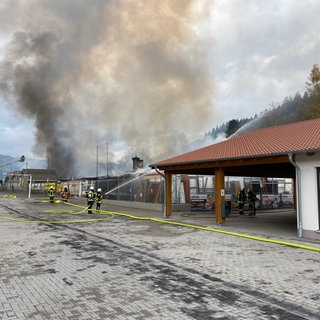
(124, 268)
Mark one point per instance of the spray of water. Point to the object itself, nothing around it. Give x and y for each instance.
(140, 176)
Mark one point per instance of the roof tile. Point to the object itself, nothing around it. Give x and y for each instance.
(294, 137)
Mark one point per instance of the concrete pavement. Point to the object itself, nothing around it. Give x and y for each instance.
(124, 268)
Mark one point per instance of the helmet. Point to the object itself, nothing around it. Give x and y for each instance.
(91, 188)
(51, 187)
(99, 190)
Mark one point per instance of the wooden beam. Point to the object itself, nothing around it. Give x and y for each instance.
(226, 163)
(273, 169)
(219, 194)
(168, 186)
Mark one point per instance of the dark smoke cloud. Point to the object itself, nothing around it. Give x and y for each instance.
(89, 72)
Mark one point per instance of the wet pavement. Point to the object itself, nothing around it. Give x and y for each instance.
(121, 267)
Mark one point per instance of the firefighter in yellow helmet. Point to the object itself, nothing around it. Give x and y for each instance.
(51, 194)
(98, 199)
(91, 196)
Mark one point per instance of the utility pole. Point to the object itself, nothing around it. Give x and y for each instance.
(107, 160)
(97, 166)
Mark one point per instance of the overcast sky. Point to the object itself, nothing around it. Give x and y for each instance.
(140, 62)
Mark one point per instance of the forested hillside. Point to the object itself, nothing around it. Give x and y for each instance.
(292, 109)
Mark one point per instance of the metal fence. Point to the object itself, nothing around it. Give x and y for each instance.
(149, 188)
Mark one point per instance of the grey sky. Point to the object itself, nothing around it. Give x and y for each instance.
(147, 76)
(263, 53)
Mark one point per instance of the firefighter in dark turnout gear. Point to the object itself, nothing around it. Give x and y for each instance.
(252, 202)
(65, 194)
(242, 197)
(98, 199)
(90, 199)
(51, 194)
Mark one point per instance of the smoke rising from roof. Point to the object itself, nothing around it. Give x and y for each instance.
(98, 71)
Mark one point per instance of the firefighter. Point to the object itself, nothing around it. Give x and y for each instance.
(51, 193)
(242, 197)
(91, 196)
(98, 199)
(252, 202)
(65, 194)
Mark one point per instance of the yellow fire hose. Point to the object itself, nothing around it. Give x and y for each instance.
(112, 214)
(61, 211)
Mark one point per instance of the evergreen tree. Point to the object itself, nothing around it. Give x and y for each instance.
(232, 126)
(312, 107)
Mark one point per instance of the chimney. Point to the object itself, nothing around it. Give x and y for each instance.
(137, 163)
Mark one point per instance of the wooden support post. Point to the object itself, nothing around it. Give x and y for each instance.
(168, 186)
(186, 187)
(219, 194)
(294, 181)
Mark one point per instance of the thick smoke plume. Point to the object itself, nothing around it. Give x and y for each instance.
(131, 73)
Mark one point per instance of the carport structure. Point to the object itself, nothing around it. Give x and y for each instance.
(268, 152)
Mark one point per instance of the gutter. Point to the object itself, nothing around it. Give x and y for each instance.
(158, 172)
(164, 205)
(299, 210)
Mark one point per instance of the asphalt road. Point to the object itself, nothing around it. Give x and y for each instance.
(118, 267)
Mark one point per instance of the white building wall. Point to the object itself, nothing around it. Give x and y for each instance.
(309, 190)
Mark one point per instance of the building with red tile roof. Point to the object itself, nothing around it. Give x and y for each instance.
(286, 151)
